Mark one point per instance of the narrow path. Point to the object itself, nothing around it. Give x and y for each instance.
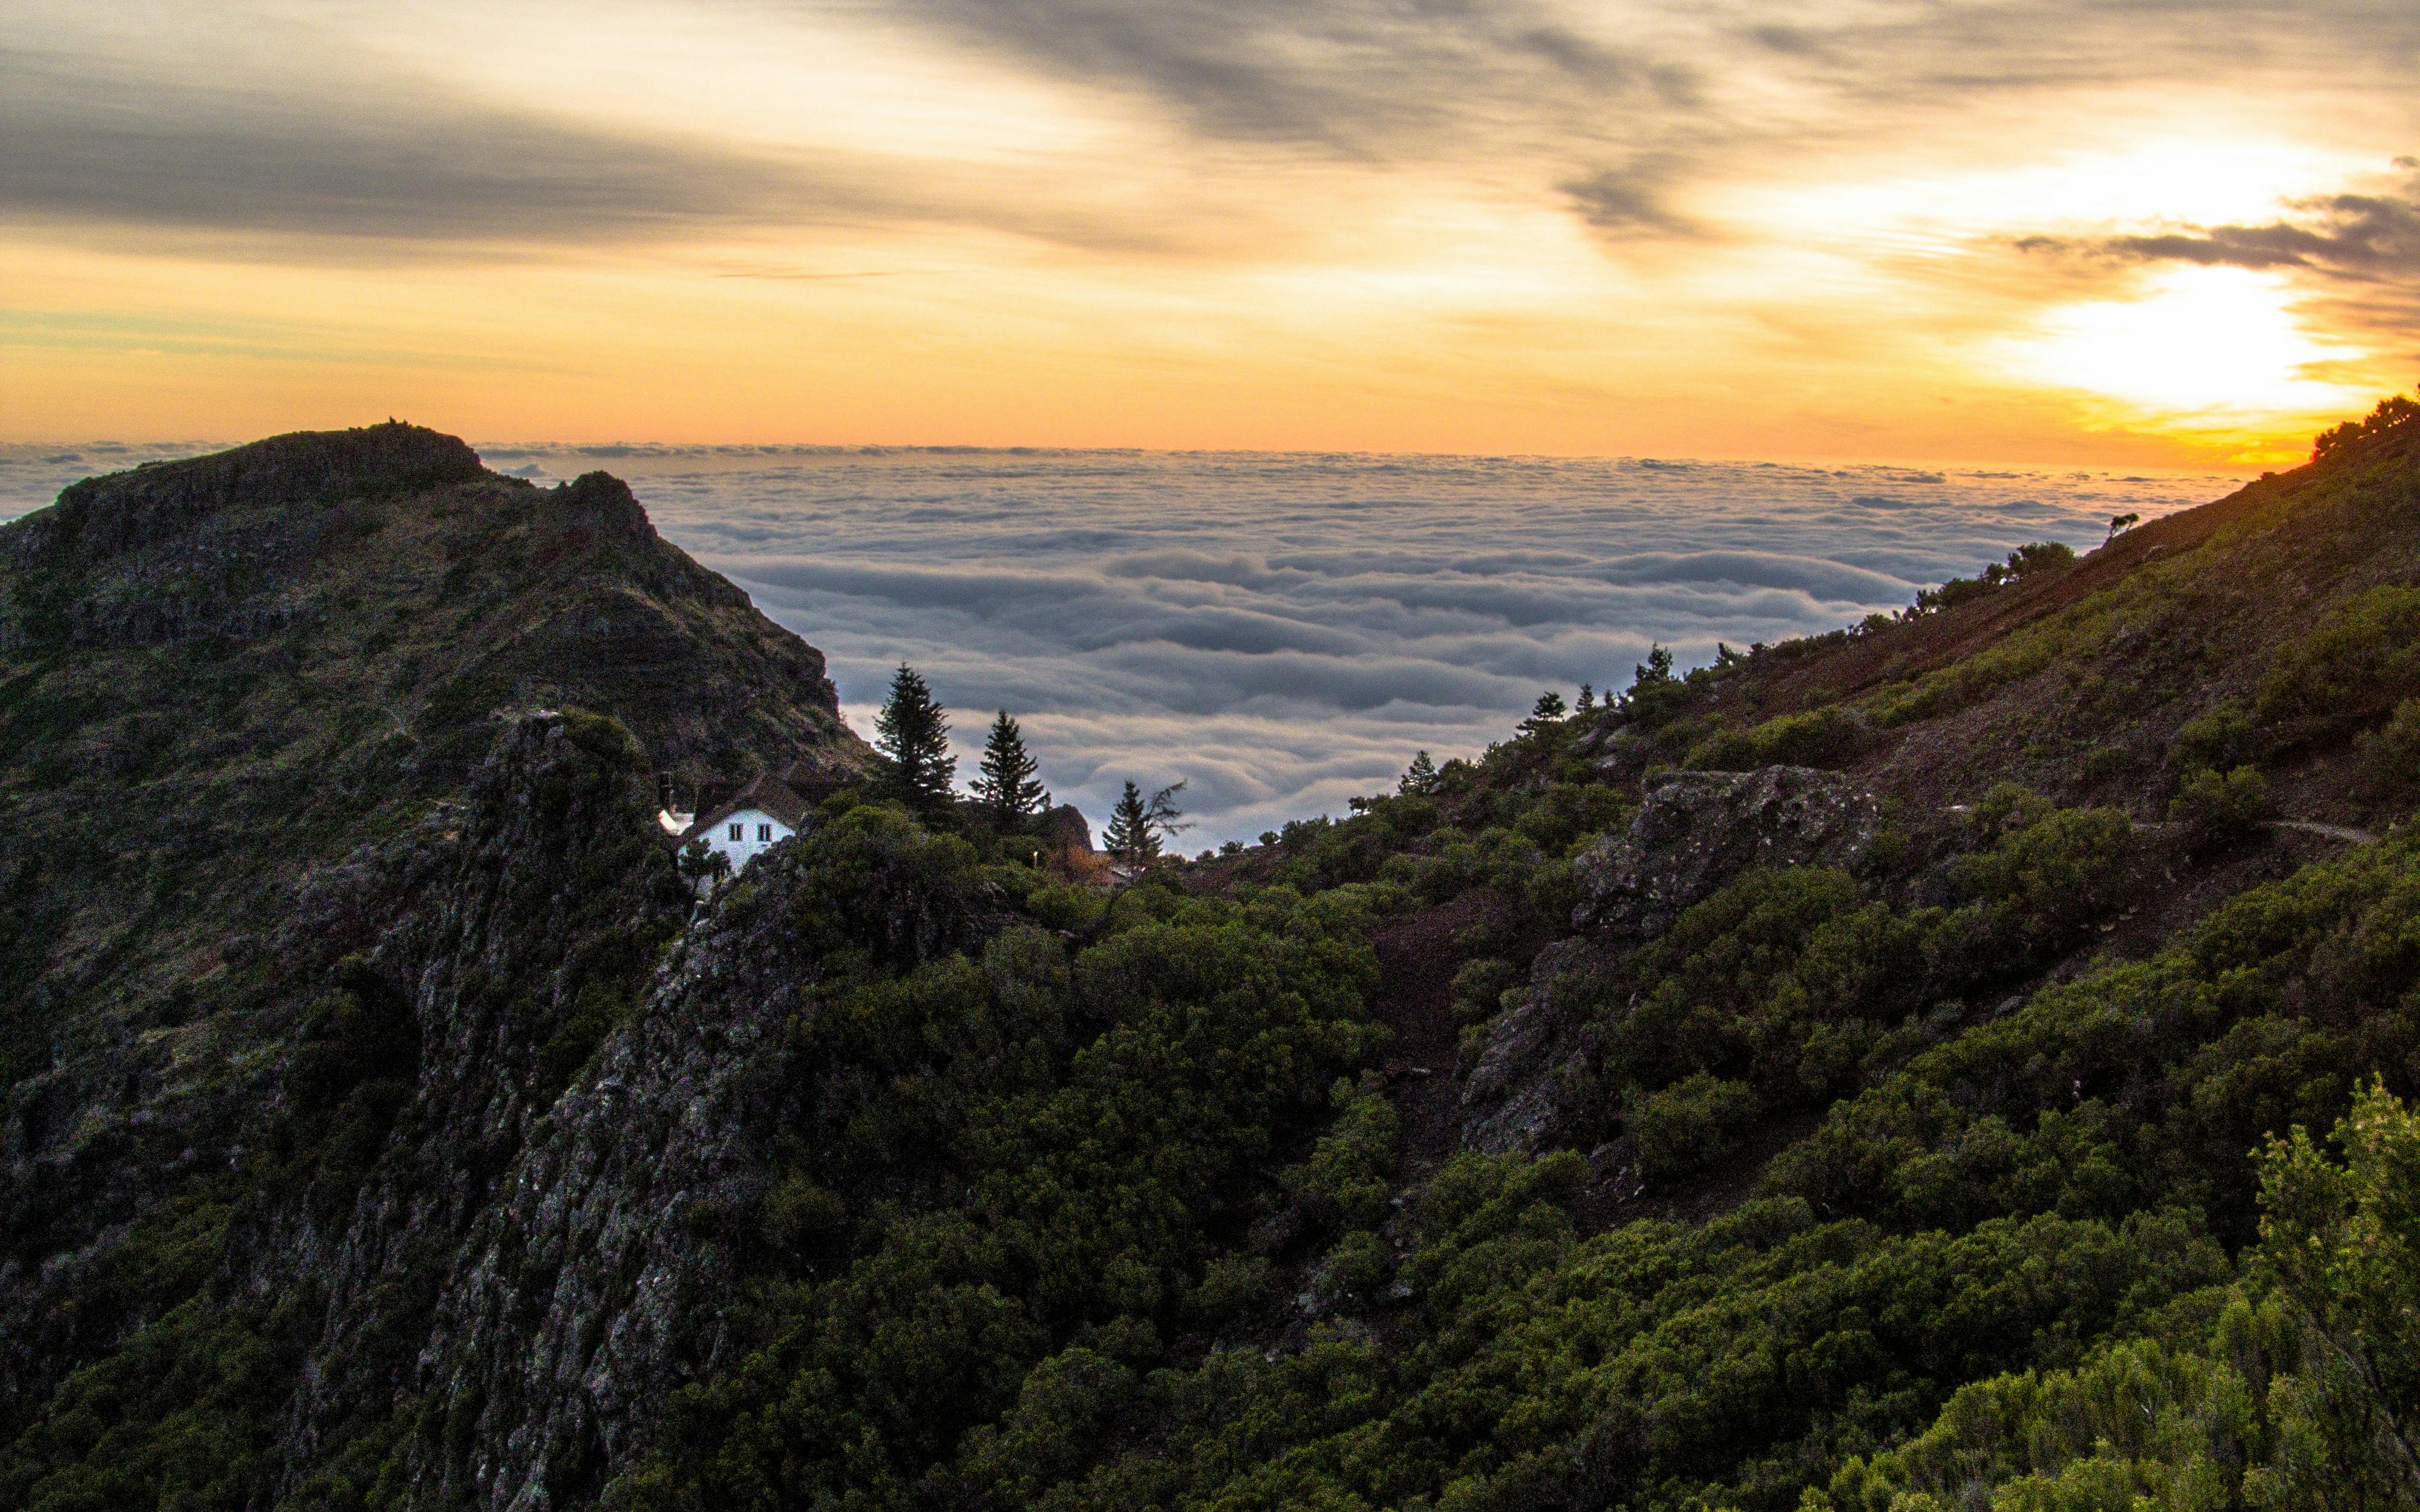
(2345, 833)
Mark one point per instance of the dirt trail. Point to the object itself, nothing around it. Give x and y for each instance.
(2343, 832)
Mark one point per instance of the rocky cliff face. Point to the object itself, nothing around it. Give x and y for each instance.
(523, 927)
(596, 1285)
(307, 918)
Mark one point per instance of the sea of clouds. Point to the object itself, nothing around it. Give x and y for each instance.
(1281, 631)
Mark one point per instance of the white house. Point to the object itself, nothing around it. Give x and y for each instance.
(752, 822)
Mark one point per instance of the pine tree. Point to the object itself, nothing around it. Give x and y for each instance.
(913, 734)
(1008, 786)
(1128, 835)
(1546, 715)
(1587, 696)
(1656, 670)
(1420, 776)
(1138, 824)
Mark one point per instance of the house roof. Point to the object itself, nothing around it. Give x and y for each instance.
(766, 792)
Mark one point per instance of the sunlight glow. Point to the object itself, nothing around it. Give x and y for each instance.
(2203, 344)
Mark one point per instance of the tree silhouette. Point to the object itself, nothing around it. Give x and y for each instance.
(1008, 786)
(1138, 824)
(1546, 714)
(913, 734)
(1656, 670)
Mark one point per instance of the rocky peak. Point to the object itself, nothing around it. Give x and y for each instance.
(103, 516)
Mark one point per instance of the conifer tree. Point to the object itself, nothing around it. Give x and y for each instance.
(1008, 786)
(1138, 824)
(912, 733)
(1420, 776)
(1128, 835)
(1546, 715)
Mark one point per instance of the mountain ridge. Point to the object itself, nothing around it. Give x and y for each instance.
(232, 683)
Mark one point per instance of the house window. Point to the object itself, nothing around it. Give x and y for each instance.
(739, 832)
(765, 834)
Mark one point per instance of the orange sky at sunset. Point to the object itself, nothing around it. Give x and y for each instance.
(2073, 231)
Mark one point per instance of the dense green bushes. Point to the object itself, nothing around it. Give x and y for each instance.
(2390, 756)
(2024, 1196)
(1693, 1123)
(2357, 663)
(2145, 1083)
(1789, 988)
(2218, 807)
(1012, 1168)
(2294, 1389)
(1820, 737)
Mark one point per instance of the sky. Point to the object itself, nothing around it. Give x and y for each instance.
(2123, 233)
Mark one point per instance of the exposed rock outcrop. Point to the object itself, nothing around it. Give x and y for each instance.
(523, 925)
(1529, 1075)
(1696, 830)
(596, 1283)
(1066, 828)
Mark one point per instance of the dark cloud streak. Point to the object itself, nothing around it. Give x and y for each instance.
(2362, 252)
(372, 162)
(377, 162)
(1367, 78)
(2354, 236)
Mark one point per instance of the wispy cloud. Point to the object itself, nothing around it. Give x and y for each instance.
(372, 161)
(1395, 222)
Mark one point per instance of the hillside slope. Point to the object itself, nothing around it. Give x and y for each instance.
(1832, 1079)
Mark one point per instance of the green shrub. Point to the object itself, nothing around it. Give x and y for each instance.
(1688, 1125)
(2103, 762)
(2390, 755)
(1351, 1170)
(1480, 986)
(1819, 737)
(2048, 875)
(2222, 738)
(2361, 660)
(2220, 810)
(1232, 1285)
(2297, 1388)
(1356, 1268)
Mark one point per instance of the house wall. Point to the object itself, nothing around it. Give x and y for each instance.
(752, 823)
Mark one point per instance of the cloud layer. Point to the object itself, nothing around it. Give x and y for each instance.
(1284, 631)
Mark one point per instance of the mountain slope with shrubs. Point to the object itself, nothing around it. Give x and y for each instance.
(1950, 1063)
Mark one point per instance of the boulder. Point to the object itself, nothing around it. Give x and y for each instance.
(1066, 828)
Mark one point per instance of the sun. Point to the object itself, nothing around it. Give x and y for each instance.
(2199, 347)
